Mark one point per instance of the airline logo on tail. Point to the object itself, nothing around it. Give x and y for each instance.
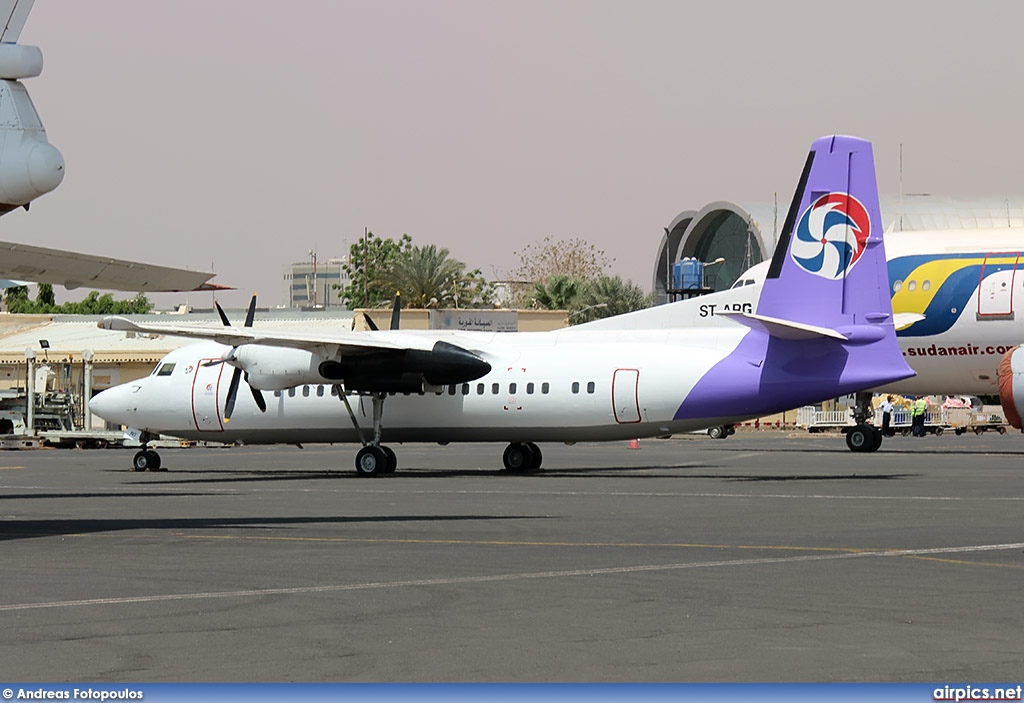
(831, 235)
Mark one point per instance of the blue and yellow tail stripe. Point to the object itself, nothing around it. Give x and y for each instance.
(953, 280)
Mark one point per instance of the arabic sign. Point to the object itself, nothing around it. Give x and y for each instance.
(475, 320)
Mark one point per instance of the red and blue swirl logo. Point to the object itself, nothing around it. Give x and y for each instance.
(831, 235)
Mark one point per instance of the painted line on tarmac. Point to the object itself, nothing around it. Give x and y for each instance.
(570, 573)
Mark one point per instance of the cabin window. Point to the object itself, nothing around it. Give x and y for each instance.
(575, 386)
(334, 390)
(512, 389)
(911, 285)
(277, 394)
(465, 389)
(529, 389)
(897, 286)
(165, 370)
(590, 387)
(545, 387)
(452, 388)
(479, 389)
(495, 388)
(926, 285)
(291, 392)
(305, 391)
(319, 391)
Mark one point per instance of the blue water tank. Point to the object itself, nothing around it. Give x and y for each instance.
(687, 274)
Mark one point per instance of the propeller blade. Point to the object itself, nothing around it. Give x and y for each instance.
(229, 404)
(396, 311)
(258, 397)
(223, 317)
(208, 364)
(370, 323)
(251, 313)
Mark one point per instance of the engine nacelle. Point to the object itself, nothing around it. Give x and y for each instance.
(402, 371)
(18, 61)
(406, 370)
(29, 165)
(1011, 385)
(276, 368)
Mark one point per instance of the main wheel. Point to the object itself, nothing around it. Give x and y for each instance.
(371, 461)
(517, 457)
(392, 459)
(536, 457)
(716, 432)
(142, 460)
(154, 460)
(863, 439)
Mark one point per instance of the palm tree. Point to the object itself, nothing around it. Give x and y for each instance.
(427, 277)
(557, 293)
(605, 296)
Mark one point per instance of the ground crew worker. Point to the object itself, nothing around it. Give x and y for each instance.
(917, 413)
(887, 407)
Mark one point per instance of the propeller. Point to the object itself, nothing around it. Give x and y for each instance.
(396, 312)
(236, 376)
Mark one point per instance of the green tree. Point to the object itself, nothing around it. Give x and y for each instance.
(45, 296)
(558, 292)
(17, 301)
(369, 270)
(427, 276)
(606, 296)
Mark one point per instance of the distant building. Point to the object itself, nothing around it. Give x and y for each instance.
(727, 238)
(312, 284)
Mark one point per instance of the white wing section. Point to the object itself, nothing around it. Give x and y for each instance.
(74, 270)
(343, 342)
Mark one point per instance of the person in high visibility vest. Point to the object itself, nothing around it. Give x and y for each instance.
(917, 414)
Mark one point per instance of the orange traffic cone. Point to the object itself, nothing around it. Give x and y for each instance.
(634, 444)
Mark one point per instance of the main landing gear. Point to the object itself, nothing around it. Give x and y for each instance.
(374, 458)
(146, 460)
(522, 457)
(863, 437)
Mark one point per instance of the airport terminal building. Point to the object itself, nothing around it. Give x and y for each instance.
(723, 239)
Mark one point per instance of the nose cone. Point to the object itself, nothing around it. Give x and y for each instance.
(116, 404)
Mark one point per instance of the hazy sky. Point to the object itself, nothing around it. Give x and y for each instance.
(241, 134)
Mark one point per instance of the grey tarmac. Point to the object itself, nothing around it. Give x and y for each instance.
(768, 556)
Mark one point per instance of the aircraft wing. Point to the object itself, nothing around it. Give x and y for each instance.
(342, 341)
(73, 270)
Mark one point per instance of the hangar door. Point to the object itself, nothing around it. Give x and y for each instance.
(625, 403)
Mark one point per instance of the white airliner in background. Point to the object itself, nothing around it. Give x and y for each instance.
(822, 327)
(31, 167)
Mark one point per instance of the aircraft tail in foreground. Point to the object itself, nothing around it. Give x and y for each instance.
(827, 285)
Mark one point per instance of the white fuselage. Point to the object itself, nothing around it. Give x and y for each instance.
(558, 386)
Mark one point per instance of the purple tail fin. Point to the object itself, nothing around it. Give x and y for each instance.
(831, 243)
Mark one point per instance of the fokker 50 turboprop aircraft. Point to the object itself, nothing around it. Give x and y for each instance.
(822, 327)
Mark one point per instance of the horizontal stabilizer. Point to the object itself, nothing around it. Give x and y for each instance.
(783, 329)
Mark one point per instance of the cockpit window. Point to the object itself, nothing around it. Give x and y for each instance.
(165, 370)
